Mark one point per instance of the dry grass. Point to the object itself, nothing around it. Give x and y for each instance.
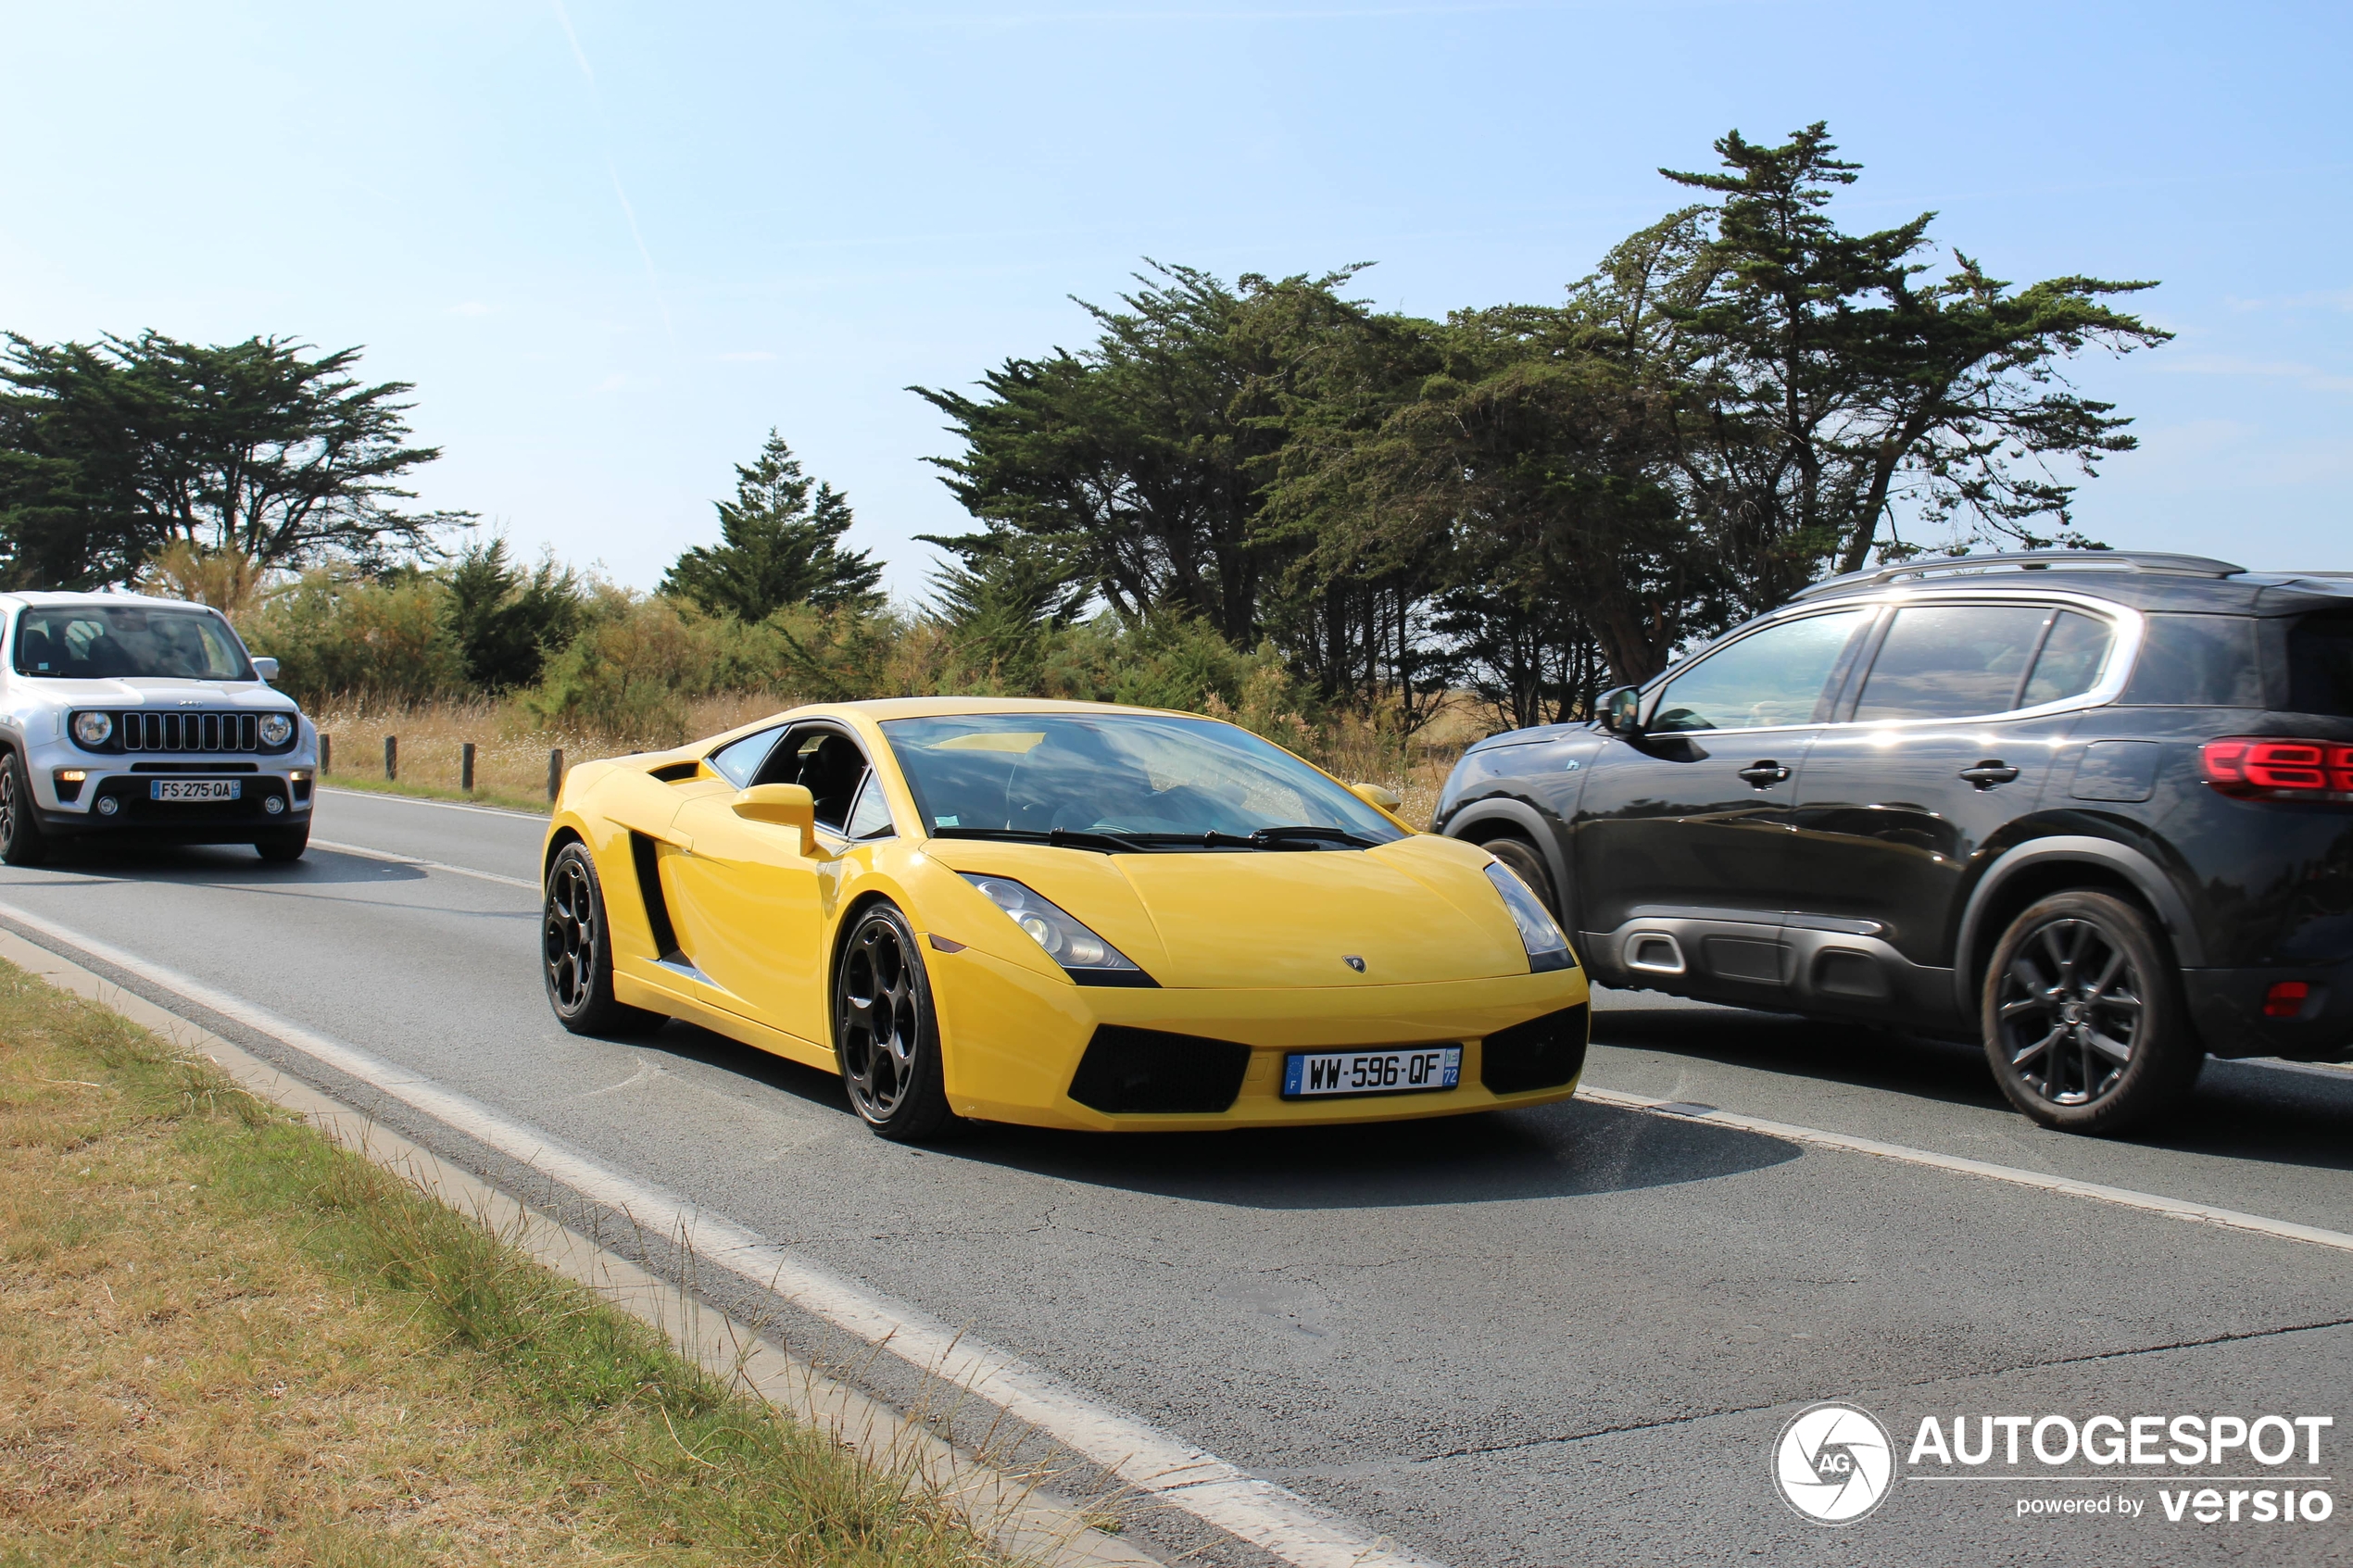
(223, 1341)
(510, 749)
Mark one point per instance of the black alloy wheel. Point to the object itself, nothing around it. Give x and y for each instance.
(1521, 856)
(2084, 1022)
(884, 1030)
(22, 841)
(576, 952)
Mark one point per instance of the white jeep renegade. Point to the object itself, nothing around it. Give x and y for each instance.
(144, 717)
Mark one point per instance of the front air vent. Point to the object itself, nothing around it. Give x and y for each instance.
(1139, 1071)
(182, 733)
(1542, 1053)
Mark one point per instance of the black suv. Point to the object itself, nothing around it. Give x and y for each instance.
(2094, 808)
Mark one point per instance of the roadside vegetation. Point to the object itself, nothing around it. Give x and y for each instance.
(1262, 499)
(224, 1341)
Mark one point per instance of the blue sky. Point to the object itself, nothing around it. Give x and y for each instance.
(613, 245)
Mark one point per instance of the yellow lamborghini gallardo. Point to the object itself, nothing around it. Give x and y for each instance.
(1060, 913)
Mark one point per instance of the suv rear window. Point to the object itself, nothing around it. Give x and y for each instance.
(2320, 666)
(2197, 661)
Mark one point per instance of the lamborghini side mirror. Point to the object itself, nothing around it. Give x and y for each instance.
(1621, 710)
(784, 806)
(1374, 795)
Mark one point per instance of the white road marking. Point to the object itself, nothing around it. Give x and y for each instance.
(1160, 1463)
(428, 865)
(2179, 1208)
(437, 805)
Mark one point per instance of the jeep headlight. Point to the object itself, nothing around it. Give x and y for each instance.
(276, 729)
(94, 729)
(1068, 943)
(1540, 934)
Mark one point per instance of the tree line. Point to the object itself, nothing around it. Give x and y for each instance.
(1531, 502)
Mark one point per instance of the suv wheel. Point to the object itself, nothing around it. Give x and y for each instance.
(1518, 854)
(22, 841)
(2083, 1015)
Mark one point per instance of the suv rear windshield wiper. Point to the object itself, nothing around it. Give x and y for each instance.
(1059, 839)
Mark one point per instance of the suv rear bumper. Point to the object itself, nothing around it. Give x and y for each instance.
(2228, 1006)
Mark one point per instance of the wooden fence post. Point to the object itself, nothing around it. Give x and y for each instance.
(466, 768)
(392, 757)
(555, 772)
(326, 754)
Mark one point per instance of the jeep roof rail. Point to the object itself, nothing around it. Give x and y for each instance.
(2029, 560)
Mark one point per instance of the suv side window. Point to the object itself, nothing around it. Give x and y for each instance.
(1951, 661)
(2197, 661)
(1769, 678)
(2074, 652)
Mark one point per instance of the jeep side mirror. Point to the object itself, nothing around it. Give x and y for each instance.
(1621, 710)
(266, 669)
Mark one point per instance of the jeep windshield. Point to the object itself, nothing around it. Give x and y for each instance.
(1118, 781)
(127, 642)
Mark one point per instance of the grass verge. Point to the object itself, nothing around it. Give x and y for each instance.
(224, 1340)
(510, 800)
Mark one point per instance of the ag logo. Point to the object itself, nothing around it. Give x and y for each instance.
(1834, 1463)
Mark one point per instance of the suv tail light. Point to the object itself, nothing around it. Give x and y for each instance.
(2258, 768)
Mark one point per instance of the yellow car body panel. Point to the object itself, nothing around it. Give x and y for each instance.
(1253, 948)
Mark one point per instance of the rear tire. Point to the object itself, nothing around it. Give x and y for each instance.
(284, 847)
(22, 841)
(576, 952)
(886, 1036)
(2083, 1017)
(1521, 856)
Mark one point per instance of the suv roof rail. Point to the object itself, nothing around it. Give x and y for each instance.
(2029, 560)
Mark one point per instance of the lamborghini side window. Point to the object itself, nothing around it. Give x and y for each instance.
(827, 763)
(870, 817)
(738, 760)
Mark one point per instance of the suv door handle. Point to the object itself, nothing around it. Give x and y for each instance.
(1986, 775)
(1766, 774)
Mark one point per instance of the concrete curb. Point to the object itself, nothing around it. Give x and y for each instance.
(1026, 1521)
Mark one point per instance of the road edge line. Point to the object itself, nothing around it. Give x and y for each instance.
(1024, 1519)
(2150, 1203)
(1153, 1463)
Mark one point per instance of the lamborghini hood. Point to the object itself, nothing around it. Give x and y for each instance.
(1414, 912)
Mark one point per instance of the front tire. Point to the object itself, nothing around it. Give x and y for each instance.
(2083, 1021)
(285, 847)
(22, 841)
(576, 952)
(1524, 862)
(886, 1035)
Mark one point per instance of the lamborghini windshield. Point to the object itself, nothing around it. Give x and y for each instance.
(1122, 781)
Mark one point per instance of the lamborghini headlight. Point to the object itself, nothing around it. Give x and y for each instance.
(1068, 943)
(276, 729)
(1540, 934)
(94, 729)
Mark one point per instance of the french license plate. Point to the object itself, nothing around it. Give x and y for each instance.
(1309, 1074)
(194, 789)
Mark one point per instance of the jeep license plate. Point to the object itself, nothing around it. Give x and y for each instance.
(194, 789)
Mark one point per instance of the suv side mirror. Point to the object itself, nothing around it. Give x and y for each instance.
(1621, 710)
(784, 806)
(266, 669)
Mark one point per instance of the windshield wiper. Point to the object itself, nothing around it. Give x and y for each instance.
(1311, 834)
(1059, 839)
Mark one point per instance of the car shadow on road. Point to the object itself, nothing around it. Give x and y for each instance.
(2239, 1110)
(1547, 1151)
(226, 865)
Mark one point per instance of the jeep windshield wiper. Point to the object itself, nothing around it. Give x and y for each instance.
(1058, 839)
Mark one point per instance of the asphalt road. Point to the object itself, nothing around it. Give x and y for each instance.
(1569, 1334)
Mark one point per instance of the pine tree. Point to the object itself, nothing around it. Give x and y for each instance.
(780, 543)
